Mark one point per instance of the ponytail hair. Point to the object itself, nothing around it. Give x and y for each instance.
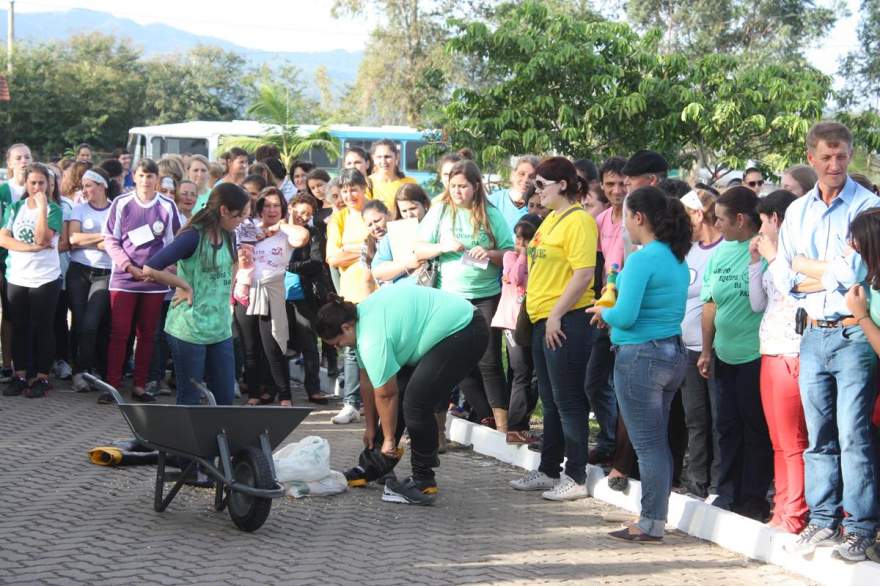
(333, 315)
(667, 218)
(741, 200)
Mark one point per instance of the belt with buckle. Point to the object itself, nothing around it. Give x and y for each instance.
(843, 322)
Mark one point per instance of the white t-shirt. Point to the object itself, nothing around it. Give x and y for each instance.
(91, 221)
(31, 269)
(16, 191)
(271, 255)
(691, 326)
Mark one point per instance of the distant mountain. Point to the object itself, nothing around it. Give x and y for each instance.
(160, 38)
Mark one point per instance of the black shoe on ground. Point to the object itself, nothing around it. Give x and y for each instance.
(144, 397)
(410, 492)
(854, 547)
(38, 390)
(356, 477)
(15, 387)
(6, 375)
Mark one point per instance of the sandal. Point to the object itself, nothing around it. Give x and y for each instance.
(285, 403)
(319, 398)
(635, 535)
(521, 437)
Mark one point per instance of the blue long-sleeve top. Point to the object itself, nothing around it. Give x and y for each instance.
(652, 293)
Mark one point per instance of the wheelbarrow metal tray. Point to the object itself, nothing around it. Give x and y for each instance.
(193, 429)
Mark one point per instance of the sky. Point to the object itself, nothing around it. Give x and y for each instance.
(307, 25)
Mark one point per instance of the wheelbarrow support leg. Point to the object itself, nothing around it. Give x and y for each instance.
(267, 450)
(160, 503)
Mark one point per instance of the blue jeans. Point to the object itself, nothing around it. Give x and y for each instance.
(646, 378)
(600, 393)
(561, 388)
(837, 390)
(352, 395)
(212, 363)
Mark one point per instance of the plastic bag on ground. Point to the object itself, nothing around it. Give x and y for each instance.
(333, 483)
(307, 460)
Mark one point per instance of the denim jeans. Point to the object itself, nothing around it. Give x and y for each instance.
(646, 378)
(212, 363)
(838, 391)
(352, 395)
(561, 387)
(597, 385)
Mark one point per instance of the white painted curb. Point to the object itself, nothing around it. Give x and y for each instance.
(729, 530)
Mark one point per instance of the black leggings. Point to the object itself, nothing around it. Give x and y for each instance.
(422, 389)
(484, 387)
(89, 292)
(307, 343)
(33, 311)
(262, 355)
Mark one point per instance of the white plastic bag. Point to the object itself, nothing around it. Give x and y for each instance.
(307, 460)
(333, 483)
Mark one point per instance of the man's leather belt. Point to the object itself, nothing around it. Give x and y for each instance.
(843, 322)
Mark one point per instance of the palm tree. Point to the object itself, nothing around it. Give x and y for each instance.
(272, 107)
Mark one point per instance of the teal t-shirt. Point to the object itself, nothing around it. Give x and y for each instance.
(454, 276)
(726, 282)
(512, 214)
(208, 320)
(398, 324)
(201, 202)
(873, 304)
(653, 288)
(5, 204)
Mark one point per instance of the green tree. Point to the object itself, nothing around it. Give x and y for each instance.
(761, 29)
(861, 67)
(87, 88)
(272, 106)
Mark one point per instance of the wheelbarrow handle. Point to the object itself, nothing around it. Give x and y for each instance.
(205, 391)
(95, 381)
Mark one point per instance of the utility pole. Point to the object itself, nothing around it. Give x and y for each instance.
(10, 30)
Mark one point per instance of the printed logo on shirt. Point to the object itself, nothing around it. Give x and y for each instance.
(158, 227)
(89, 224)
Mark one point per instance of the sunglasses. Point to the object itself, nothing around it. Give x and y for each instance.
(542, 185)
(758, 183)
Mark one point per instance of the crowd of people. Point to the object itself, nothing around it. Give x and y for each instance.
(724, 339)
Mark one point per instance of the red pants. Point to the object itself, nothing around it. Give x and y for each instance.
(781, 400)
(142, 310)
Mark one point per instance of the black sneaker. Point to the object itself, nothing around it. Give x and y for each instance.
(144, 397)
(6, 375)
(106, 398)
(854, 547)
(356, 477)
(15, 387)
(410, 492)
(38, 390)
(812, 537)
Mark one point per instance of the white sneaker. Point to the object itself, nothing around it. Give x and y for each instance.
(566, 490)
(80, 385)
(349, 414)
(534, 480)
(62, 370)
(152, 387)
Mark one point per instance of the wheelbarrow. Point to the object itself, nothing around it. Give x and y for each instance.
(241, 437)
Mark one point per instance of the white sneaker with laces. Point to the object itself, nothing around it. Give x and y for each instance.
(62, 370)
(534, 480)
(80, 385)
(348, 414)
(566, 490)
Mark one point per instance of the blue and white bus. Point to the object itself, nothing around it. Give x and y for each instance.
(203, 137)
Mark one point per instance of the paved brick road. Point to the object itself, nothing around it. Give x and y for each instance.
(65, 521)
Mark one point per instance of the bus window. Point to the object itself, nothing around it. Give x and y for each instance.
(137, 144)
(157, 148)
(193, 146)
(320, 159)
(411, 157)
(364, 144)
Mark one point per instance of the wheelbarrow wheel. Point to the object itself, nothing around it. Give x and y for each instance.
(250, 467)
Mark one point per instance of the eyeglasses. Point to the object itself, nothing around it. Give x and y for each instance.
(758, 183)
(542, 185)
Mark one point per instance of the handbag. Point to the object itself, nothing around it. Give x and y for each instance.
(426, 276)
(522, 334)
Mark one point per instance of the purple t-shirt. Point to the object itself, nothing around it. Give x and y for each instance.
(139, 230)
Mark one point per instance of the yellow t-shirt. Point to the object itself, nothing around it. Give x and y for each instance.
(347, 227)
(554, 255)
(386, 190)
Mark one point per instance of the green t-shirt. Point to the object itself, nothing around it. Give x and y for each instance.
(873, 304)
(201, 202)
(455, 277)
(726, 282)
(209, 319)
(5, 204)
(398, 324)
